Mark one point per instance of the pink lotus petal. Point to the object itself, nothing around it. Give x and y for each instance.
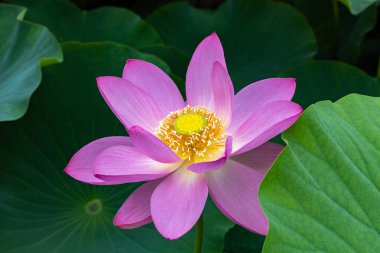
(267, 122)
(132, 105)
(257, 94)
(156, 83)
(214, 165)
(127, 164)
(260, 158)
(234, 189)
(199, 88)
(135, 211)
(178, 202)
(81, 165)
(151, 146)
(223, 93)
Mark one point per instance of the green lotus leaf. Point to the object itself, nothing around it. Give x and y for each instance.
(322, 193)
(24, 48)
(69, 23)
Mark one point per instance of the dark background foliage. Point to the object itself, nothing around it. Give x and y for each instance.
(330, 30)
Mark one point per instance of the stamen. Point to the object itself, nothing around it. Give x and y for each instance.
(193, 133)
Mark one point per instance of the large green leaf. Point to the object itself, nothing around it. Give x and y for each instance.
(323, 192)
(69, 23)
(43, 209)
(24, 47)
(357, 6)
(321, 80)
(260, 38)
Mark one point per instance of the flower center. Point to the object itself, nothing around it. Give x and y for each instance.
(189, 123)
(193, 133)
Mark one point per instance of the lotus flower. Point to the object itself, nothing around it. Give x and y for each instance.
(215, 142)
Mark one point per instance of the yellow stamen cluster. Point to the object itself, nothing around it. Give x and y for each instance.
(193, 133)
(189, 123)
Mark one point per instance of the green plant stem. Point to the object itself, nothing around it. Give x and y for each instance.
(378, 68)
(199, 235)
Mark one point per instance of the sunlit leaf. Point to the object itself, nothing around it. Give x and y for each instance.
(322, 194)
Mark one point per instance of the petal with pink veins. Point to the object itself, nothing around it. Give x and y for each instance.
(234, 188)
(214, 165)
(264, 124)
(223, 93)
(128, 164)
(81, 165)
(156, 83)
(151, 146)
(199, 88)
(178, 202)
(135, 212)
(131, 104)
(257, 94)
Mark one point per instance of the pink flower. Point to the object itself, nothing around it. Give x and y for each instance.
(215, 142)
